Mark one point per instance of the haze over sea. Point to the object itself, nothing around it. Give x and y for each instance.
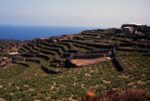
(30, 32)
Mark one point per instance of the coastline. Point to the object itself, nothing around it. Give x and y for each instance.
(23, 33)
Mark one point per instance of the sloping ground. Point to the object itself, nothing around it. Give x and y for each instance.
(120, 95)
(28, 84)
(25, 80)
(86, 62)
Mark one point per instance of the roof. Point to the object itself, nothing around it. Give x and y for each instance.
(13, 53)
(85, 62)
(136, 24)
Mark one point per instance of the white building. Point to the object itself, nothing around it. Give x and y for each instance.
(132, 28)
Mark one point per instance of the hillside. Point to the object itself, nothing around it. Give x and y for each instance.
(43, 68)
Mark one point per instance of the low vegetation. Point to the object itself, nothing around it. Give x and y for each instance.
(40, 72)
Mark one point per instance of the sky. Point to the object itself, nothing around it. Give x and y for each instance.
(86, 13)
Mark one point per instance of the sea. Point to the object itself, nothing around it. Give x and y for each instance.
(23, 33)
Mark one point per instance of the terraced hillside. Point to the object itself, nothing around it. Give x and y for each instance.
(41, 70)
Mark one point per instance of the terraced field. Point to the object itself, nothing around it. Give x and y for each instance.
(40, 71)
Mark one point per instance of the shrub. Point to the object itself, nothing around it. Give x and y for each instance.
(122, 95)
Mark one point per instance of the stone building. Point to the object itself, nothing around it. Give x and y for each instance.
(89, 58)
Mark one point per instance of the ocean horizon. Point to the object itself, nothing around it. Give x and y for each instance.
(23, 33)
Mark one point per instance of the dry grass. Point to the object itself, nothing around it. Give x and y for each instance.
(121, 95)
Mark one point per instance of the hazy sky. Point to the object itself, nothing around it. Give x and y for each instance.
(95, 13)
